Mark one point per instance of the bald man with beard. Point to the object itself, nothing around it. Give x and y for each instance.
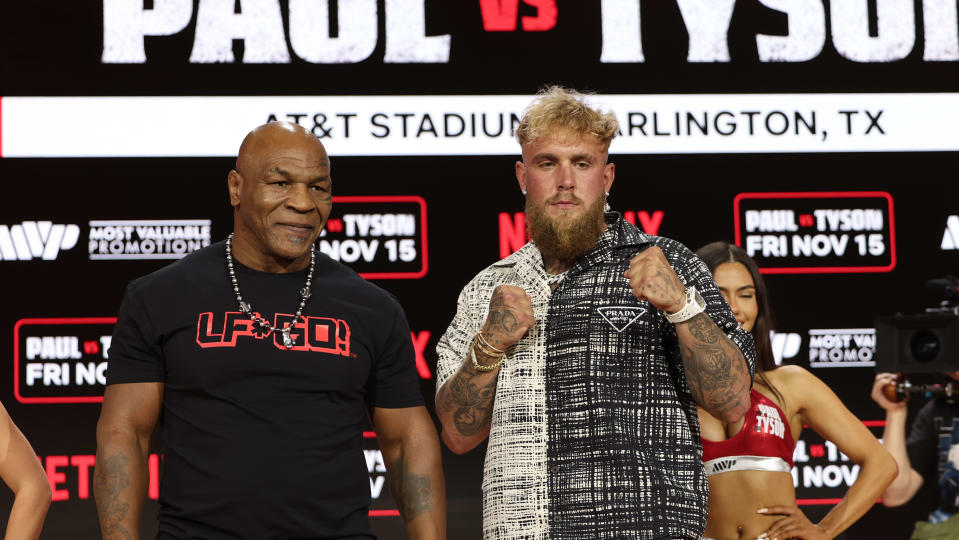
(263, 360)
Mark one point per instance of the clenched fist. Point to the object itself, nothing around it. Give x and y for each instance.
(653, 279)
(510, 316)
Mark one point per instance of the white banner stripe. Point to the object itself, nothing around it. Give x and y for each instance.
(479, 125)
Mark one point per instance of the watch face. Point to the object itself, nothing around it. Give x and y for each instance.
(699, 298)
(694, 305)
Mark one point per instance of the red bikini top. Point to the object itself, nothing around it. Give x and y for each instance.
(765, 433)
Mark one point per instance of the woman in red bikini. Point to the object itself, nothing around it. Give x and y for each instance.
(748, 463)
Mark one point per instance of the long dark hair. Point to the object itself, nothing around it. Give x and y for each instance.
(717, 253)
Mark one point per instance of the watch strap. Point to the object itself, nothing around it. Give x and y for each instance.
(690, 310)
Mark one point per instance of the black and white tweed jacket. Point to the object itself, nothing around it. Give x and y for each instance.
(594, 433)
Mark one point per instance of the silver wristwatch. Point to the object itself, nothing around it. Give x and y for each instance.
(694, 306)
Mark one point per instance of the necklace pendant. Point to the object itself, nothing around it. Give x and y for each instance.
(246, 308)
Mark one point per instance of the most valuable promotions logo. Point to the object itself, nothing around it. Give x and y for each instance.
(842, 347)
(950, 237)
(36, 240)
(147, 239)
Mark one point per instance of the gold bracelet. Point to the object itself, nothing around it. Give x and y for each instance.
(486, 344)
(492, 353)
(480, 367)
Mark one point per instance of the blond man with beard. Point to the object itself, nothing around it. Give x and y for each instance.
(583, 355)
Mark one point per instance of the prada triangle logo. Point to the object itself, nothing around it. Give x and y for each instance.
(620, 317)
(950, 238)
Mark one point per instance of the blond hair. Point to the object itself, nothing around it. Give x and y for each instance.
(557, 108)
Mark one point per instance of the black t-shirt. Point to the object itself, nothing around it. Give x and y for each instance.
(260, 441)
(933, 448)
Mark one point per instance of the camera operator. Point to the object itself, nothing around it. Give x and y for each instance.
(930, 454)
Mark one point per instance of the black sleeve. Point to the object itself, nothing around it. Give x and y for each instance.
(135, 354)
(393, 382)
(923, 442)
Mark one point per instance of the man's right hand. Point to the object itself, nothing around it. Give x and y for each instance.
(883, 380)
(510, 316)
(464, 403)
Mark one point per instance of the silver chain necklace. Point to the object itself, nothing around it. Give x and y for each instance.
(245, 307)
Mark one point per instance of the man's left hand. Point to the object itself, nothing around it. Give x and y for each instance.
(653, 279)
(794, 525)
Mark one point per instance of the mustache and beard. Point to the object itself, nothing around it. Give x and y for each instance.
(566, 239)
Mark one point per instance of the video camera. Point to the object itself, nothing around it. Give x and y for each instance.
(922, 343)
(903, 388)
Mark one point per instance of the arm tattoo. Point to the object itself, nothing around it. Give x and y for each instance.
(471, 404)
(411, 492)
(711, 366)
(112, 475)
(703, 329)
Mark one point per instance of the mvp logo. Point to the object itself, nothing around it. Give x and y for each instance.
(950, 238)
(785, 345)
(720, 465)
(724, 465)
(36, 240)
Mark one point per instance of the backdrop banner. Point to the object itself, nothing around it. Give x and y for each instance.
(820, 135)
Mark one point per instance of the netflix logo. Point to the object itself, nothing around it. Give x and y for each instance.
(421, 341)
(513, 234)
(71, 477)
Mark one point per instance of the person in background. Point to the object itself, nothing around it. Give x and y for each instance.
(748, 462)
(22, 473)
(930, 454)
